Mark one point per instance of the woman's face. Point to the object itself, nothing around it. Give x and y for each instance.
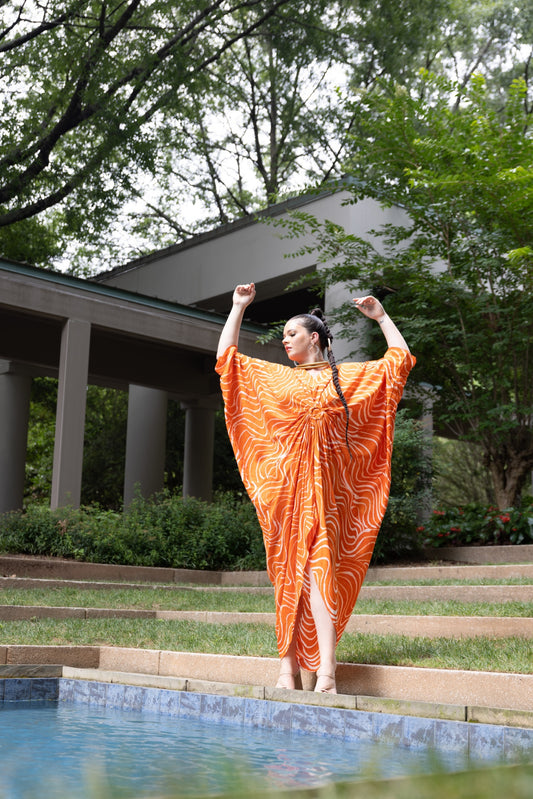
(300, 345)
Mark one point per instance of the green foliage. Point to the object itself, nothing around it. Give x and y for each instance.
(409, 494)
(456, 270)
(459, 475)
(478, 525)
(105, 446)
(223, 105)
(166, 531)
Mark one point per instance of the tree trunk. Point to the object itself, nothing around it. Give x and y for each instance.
(509, 471)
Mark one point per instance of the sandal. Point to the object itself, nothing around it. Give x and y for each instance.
(287, 680)
(325, 684)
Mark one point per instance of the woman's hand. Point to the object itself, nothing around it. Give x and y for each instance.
(370, 307)
(244, 295)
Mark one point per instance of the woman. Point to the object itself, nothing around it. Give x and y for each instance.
(313, 445)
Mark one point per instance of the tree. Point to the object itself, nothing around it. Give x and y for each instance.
(86, 81)
(275, 120)
(127, 118)
(459, 274)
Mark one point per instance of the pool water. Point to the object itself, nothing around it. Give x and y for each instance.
(68, 749)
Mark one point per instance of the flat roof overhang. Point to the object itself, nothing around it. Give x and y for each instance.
(134, 338)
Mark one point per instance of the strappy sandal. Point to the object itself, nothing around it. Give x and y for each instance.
(287, 680)
(325, 684)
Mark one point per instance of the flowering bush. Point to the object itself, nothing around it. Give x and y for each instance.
(478, 525)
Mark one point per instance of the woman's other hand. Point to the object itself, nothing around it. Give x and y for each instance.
(244, 295)
(370, 307)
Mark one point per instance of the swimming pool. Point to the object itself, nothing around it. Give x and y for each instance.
(59, 735)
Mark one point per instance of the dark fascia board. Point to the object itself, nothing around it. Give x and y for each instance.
(91, 287)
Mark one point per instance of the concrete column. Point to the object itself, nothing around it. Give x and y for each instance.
(199, 447)
(426, 422)
(14, 414)
(145, 442)
(70, 415)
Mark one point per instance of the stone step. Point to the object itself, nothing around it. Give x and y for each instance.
(448, 593)
(412, 626)
(417, 593)
(491, 692)
(68, 570)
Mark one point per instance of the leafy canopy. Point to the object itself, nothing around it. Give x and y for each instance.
(459, 270)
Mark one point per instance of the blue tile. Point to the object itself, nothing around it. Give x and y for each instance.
(66, 690)
(418, 732)
(233, 709)
(211, 706)
(190, 704)
(114, 695)
(388, 728)
(133, 697)
(151, 700)
(256, 713)
(45, 688)
(486, 742)
(331, 721)
(518, 744)
(97, 693)
(451, 736)
(2, 690)
(17, 690)
(321, 721)
(359, 725)
(280, 715)
(80, 691)
(169, 702)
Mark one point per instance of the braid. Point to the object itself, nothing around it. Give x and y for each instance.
(315, 322)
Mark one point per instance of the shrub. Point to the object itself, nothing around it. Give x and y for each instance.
(478, 525)
(165, 531)
(409, 492)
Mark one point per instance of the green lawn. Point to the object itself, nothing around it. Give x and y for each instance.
(484, 654)
(238, 601)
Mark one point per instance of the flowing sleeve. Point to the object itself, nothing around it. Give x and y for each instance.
(257, 406)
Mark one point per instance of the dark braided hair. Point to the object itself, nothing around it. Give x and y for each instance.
(315, 322)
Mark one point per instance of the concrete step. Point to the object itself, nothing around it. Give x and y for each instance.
(412, 626)
(456, 689)
(448, 593)
(60, 569)
(418, 593)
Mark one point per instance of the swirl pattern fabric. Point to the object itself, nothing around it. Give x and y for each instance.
(314, 503)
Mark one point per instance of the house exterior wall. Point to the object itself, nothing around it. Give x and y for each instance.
(211, 265)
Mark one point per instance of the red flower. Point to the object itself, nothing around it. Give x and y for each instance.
(505, 519)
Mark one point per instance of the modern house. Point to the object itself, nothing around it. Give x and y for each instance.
(151, 327)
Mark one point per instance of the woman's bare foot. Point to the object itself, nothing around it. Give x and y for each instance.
(325, 684)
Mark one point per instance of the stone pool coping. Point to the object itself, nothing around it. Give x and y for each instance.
(462, 692)
(481, 741)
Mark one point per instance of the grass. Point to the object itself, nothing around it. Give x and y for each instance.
(239, 602)
(472, 581)
(484, 654)
(513, 782)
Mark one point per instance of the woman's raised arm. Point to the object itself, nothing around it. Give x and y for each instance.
(242, 297)
(372, 308)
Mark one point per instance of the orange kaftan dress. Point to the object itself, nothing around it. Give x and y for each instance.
(314, 503)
